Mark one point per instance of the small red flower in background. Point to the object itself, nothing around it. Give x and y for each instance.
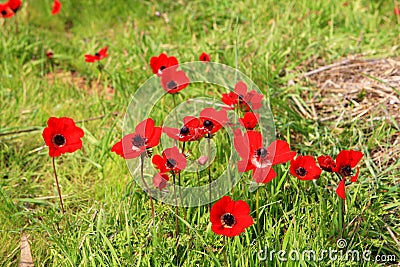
(396, 11)
(249, 120)
(14, 5)
(62, 135)
(170, 161)
(326, 163)
(160, 180)
(304, 168)
(258, 158)
(158, 64)
(212, 120)
(146, 136)
(230, 218)
(98, 56)
(6, 11)
(190, 131)
(49, 55)
(205, 57)
(56, 7)
(243, 99)
(174, 80)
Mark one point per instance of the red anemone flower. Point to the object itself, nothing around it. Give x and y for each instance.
(146, 136)
(170, 161)
(250, 120)
(160, 180)
(258, 158)
(158, 64)
(174, 80)
(14, 5)
(205, 57)
(62, 135)
(190, 131)
(98, 56)
(304, 168)
(326, 163)
(212, 120)
(346, 160)
(243, 99)
(56, 9)
(50, 55)
(230, 218)
(6, 11)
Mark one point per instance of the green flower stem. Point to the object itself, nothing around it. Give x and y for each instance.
(142, 156)
(58, 186)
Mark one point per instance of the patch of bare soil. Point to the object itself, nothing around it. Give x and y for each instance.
(91, 86)
(356, 90)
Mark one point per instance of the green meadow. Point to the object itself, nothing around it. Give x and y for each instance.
(300, 54)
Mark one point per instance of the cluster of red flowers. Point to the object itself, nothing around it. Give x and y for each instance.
(344, 166)
(228, 217)
(10, 8)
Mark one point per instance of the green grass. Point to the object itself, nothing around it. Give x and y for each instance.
(108, 220)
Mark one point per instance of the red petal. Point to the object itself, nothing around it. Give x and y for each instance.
(145, 127)
(354, 178)
(241, 88)
(254, 141)
(218, 209)
(340, 191)
(171, 132)
(160, 180)
(281, 151)
(90, 58)
(241, 145)
(56, 7)
(264, 175)
(155, 137)
(159, 161)
(355, 157)
(103, 52)
(117, 148)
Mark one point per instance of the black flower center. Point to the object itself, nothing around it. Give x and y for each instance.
(346, 170)
(171, 163)
(208, 124)
(138, 141)
(262, 152)
(301, 171)
(162, 68)
(59, 140)
(228, 220)
(97, 54)
(172, 85)
(4, 12)
(184, 130)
